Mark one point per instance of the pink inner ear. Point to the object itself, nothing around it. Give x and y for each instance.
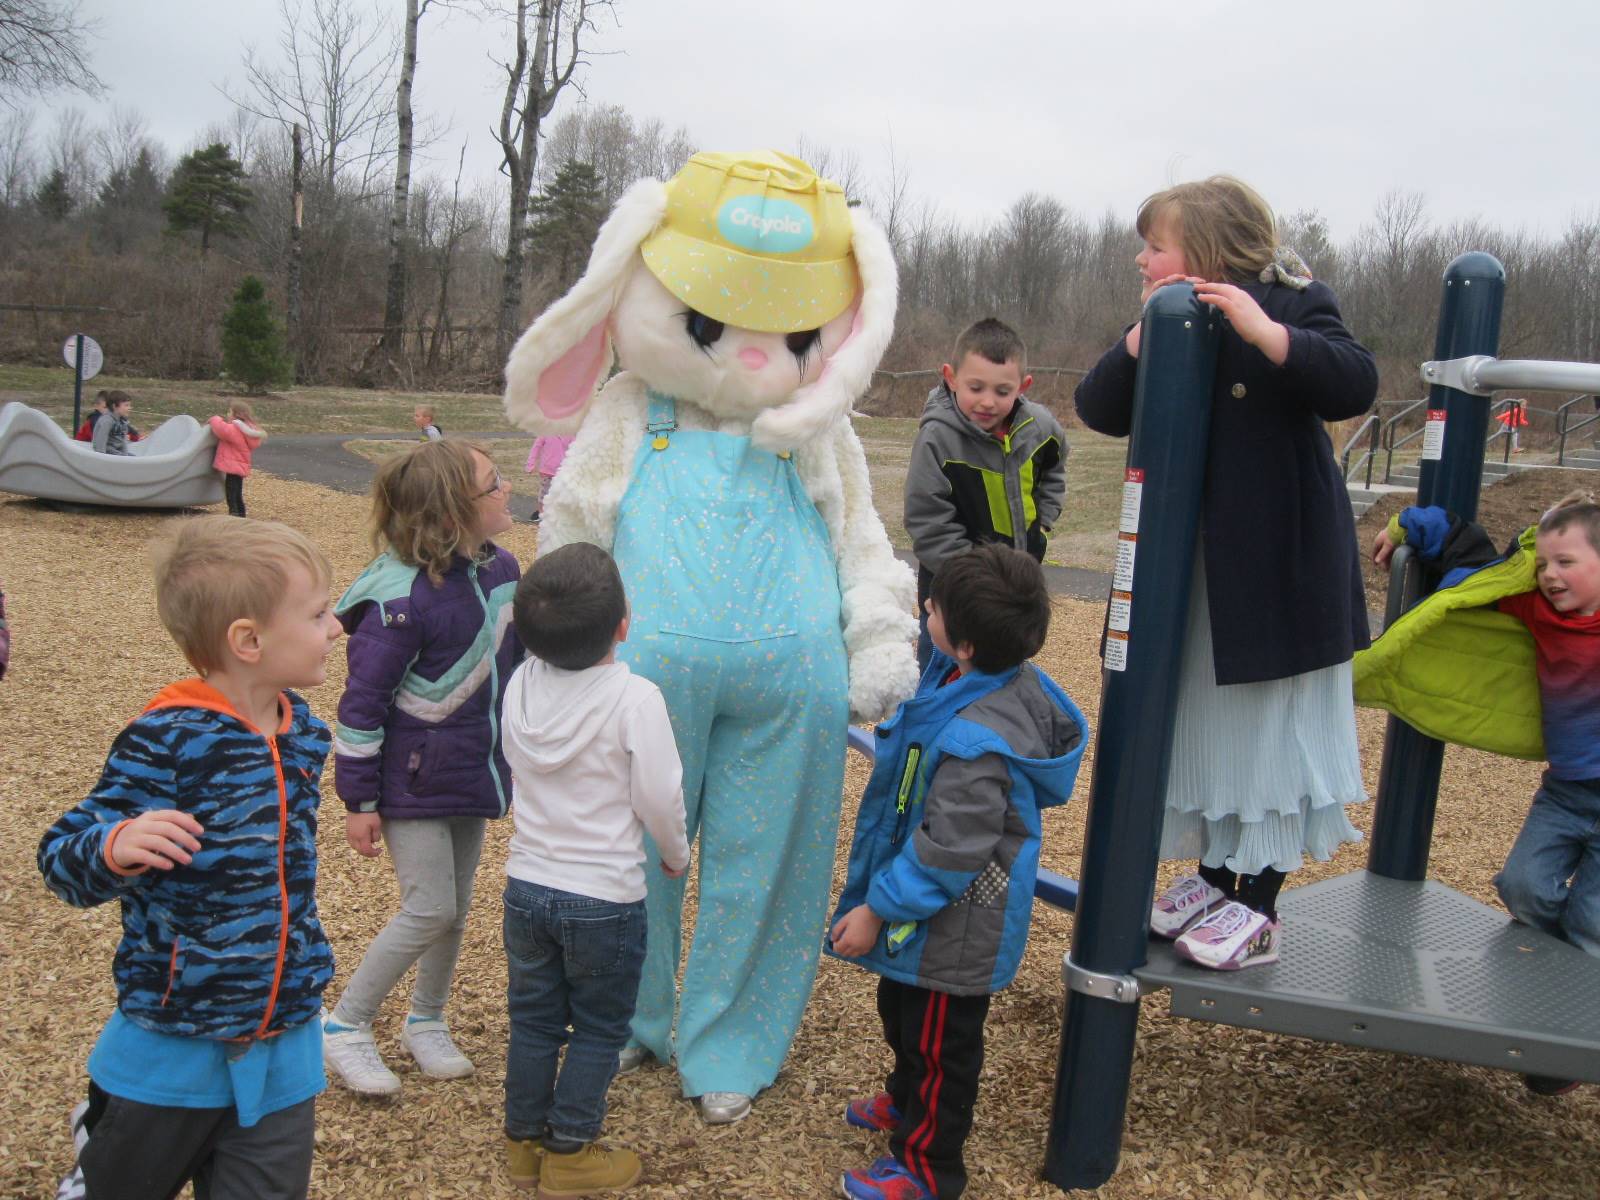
(566, 385)
(855, 328)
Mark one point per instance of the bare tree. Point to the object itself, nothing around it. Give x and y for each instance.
(16, 157)
(336, 83)
(70, 143)
(534, 79)
(394, 302)
(42, 44)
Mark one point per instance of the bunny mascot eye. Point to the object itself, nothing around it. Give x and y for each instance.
(747, 306)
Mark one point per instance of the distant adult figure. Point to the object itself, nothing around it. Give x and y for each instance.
(113, 432)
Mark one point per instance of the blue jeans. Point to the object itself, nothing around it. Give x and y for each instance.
(1551, 879)
(573, 966)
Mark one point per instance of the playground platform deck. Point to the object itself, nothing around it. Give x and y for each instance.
(1416, 968)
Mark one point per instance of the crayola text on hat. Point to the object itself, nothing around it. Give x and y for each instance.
(756, 240)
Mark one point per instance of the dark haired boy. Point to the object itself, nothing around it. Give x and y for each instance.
(594, 767)
(988, 464)
(939, 890)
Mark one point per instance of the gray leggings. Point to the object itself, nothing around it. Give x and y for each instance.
(434, 860)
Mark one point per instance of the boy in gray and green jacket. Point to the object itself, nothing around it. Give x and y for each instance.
(988, 464)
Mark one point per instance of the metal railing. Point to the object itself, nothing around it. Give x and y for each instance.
(1369, 457)
(1564, 425)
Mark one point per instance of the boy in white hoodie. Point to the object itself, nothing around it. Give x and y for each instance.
(594, 767)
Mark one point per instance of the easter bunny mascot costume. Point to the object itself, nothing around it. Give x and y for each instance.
(747, 306)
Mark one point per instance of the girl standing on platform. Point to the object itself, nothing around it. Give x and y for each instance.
(417, 755)
(1264, 756)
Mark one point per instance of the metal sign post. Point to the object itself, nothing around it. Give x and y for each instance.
(84, 356)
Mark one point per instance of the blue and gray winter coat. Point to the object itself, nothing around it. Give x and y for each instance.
(229, 945)
(946, 848)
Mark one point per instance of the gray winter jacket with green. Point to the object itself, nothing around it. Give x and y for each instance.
(965, 487)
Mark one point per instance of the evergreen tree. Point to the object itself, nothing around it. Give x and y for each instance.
(128, 205)
(54, 197)
(208, 193)
(252, 341)
(565, 219)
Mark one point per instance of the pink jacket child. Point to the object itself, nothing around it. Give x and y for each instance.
(237, 438)
(545, 458)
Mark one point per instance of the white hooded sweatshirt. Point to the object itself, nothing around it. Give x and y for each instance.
(593, 764)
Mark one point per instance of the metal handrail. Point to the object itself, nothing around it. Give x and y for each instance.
(1564, 427)
(1390, 444)
(1506, 428)
(1480, 374)
(1370, 457)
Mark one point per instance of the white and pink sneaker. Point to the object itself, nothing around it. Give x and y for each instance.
(1230, 938)
(1181, 905)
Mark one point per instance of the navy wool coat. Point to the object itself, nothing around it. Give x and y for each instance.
(1283, 573)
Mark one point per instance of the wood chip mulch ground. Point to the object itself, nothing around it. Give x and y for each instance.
(1214, 1112)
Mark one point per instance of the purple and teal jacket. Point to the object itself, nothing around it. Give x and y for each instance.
(419, 722)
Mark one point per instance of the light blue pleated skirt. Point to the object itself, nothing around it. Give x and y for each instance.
(1261, 772)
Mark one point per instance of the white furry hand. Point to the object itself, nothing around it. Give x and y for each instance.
(881, 676)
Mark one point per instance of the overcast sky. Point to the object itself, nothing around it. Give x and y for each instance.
(1487, 107)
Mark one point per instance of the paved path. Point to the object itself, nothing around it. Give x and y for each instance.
(322, 458)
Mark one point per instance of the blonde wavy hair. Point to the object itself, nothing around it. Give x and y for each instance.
(425, 505)
(1225, 228)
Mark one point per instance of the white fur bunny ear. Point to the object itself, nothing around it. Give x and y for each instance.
(818, 406)
(563, 357)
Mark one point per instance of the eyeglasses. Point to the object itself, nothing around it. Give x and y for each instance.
(500, 485)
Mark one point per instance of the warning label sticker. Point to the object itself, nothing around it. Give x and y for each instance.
(1132, 498)
(1121, 613)
(1433, 436)
(1116, 652)
(1122, 574)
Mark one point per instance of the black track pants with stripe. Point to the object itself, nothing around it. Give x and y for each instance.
(937, 1041)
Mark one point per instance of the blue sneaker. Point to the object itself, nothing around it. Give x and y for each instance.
(875, 1112)
(885, 1179)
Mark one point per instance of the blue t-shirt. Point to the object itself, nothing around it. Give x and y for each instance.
(256, 1078)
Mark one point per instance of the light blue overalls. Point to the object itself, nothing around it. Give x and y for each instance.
(731, 576)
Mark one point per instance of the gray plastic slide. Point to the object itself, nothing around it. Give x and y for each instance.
(171, 468)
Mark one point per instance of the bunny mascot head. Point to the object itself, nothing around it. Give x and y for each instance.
(747, 305)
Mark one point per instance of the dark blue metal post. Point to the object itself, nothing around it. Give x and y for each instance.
(1408, 784)
(77, 387)
(1172, 417)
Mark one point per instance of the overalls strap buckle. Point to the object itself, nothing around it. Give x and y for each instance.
(661, 419)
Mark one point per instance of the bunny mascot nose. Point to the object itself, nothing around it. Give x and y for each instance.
(753, 358)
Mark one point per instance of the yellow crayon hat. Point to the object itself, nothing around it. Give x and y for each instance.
(756, 240)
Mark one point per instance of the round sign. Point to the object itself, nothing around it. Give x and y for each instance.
(93, 357)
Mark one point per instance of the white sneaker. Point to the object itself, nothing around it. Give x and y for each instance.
(1181, 905)
(352, 1055)
(428, 1041)
(1230, 938)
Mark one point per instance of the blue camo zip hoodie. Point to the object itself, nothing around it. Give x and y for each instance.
(946, 847)
(229, 945)
(419, 721)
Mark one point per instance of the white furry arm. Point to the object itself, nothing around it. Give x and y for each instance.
(583, 501)
(877, 590)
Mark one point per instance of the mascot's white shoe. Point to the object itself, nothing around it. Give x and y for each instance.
(724, 1108)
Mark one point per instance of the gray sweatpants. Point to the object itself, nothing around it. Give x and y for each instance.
(435, 860)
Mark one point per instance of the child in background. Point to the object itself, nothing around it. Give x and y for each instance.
(114, 431)
(417, 758)
(203, 825)
(1264, 756)
(545, 458)
(938, 895)
(86, 430)
(237, 438)
(423, 418)
(980, 436)
(1551, 880)
(594, 766)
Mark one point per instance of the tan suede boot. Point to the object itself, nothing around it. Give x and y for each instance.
(588, 1170)
(523, 1160)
